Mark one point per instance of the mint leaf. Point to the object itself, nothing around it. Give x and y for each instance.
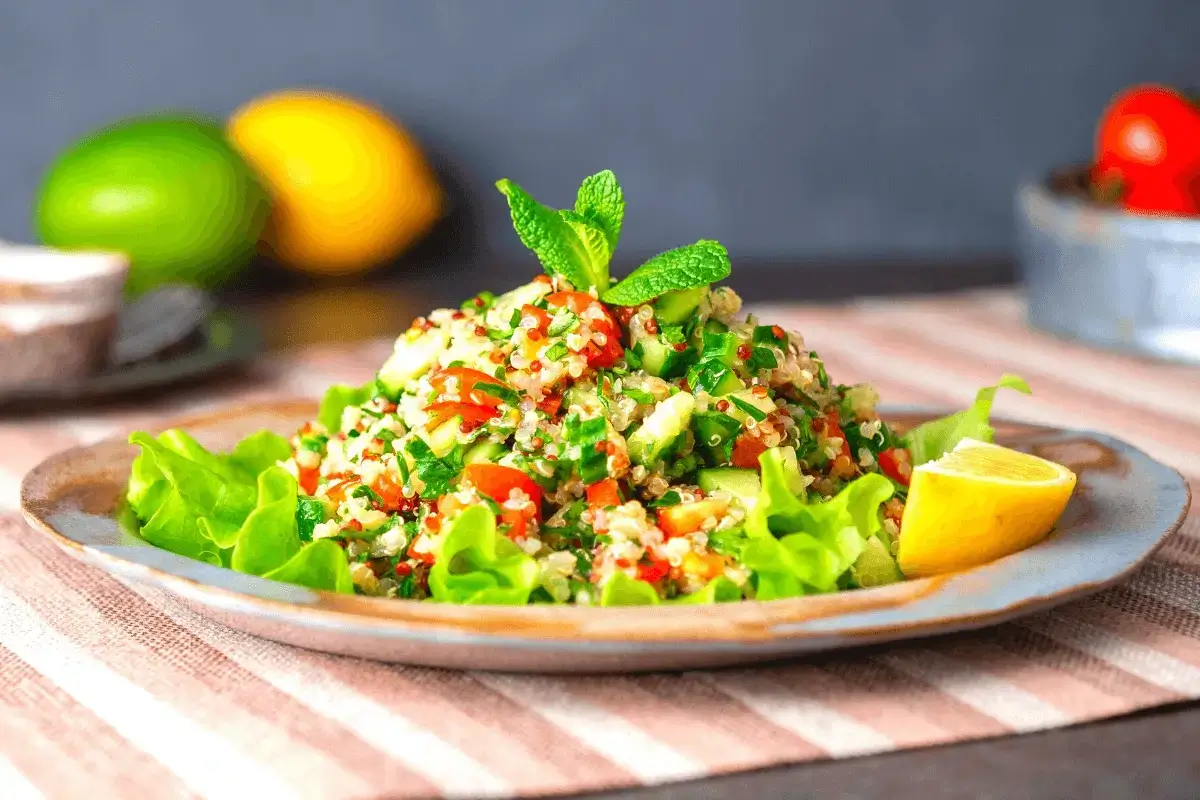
(595, 243)
(554, 240)
(685, 267)
(602, 203)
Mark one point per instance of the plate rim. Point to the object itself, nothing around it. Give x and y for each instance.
(748, 623)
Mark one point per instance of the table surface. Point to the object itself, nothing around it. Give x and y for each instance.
(1151, 755)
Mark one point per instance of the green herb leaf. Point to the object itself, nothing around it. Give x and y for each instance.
(310, 512)
(367, 492)
(554, 240)
(672, 334)
(753, 411)
(557, 351)
(761, 358)
(436, 473)
(686, 267)
(601, 202)
(671, 498)
(479, 303)
(503, 393)
(587, 434)
(765, 334)
(638, 395)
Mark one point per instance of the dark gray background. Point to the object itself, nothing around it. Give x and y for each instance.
(786, 129)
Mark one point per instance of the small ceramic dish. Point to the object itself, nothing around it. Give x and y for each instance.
(58, 312)
(1126, 504)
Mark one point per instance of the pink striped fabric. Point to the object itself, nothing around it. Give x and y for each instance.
(111, 690)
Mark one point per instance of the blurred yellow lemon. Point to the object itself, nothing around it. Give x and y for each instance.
(978, 503)
(351, 188)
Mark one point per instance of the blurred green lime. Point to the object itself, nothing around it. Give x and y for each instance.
(168, 191)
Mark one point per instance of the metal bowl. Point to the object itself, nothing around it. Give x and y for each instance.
(1118, 280)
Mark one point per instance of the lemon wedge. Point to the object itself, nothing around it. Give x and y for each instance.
(977, 503)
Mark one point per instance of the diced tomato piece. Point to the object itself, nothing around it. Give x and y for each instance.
(497, 481)
(516, 522)
(687, 518)
(392, 496)
(746, 450)
(550, 404)
(603, 494)
(654, 571)
(896, 463)
(308, 478)
(543, 319)
(610, 353)
(575, 301)
(468, 380)
(471, 413)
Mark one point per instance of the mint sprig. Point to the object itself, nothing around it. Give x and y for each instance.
(685, 267)
(575, 244)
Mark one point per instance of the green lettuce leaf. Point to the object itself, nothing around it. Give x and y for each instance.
(213, 491)
(173, 526)
(797, 548)
(269, 537)
(260, 451)
(554, 240)
(718, 590)
(932, 440)
(319, 565)
(476, 565)
(622, 590)
(337, 398)
(685, 267)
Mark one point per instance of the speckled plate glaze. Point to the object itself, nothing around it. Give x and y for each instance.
(1126, 504)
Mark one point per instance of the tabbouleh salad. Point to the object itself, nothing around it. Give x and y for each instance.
(575, 440)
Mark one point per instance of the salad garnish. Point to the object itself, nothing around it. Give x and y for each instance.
(578, 439)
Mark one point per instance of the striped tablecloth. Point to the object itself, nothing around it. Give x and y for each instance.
(106, 691)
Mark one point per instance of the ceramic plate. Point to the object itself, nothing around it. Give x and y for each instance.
(1126, 504)
(221, 341)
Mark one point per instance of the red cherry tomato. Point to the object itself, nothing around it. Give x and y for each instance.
(497, 481)
(472, 414)
(1162, 195)
(603, 494)
(468, 383)
(1147, 130)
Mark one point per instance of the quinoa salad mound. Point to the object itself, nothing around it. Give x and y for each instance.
(577, 439)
